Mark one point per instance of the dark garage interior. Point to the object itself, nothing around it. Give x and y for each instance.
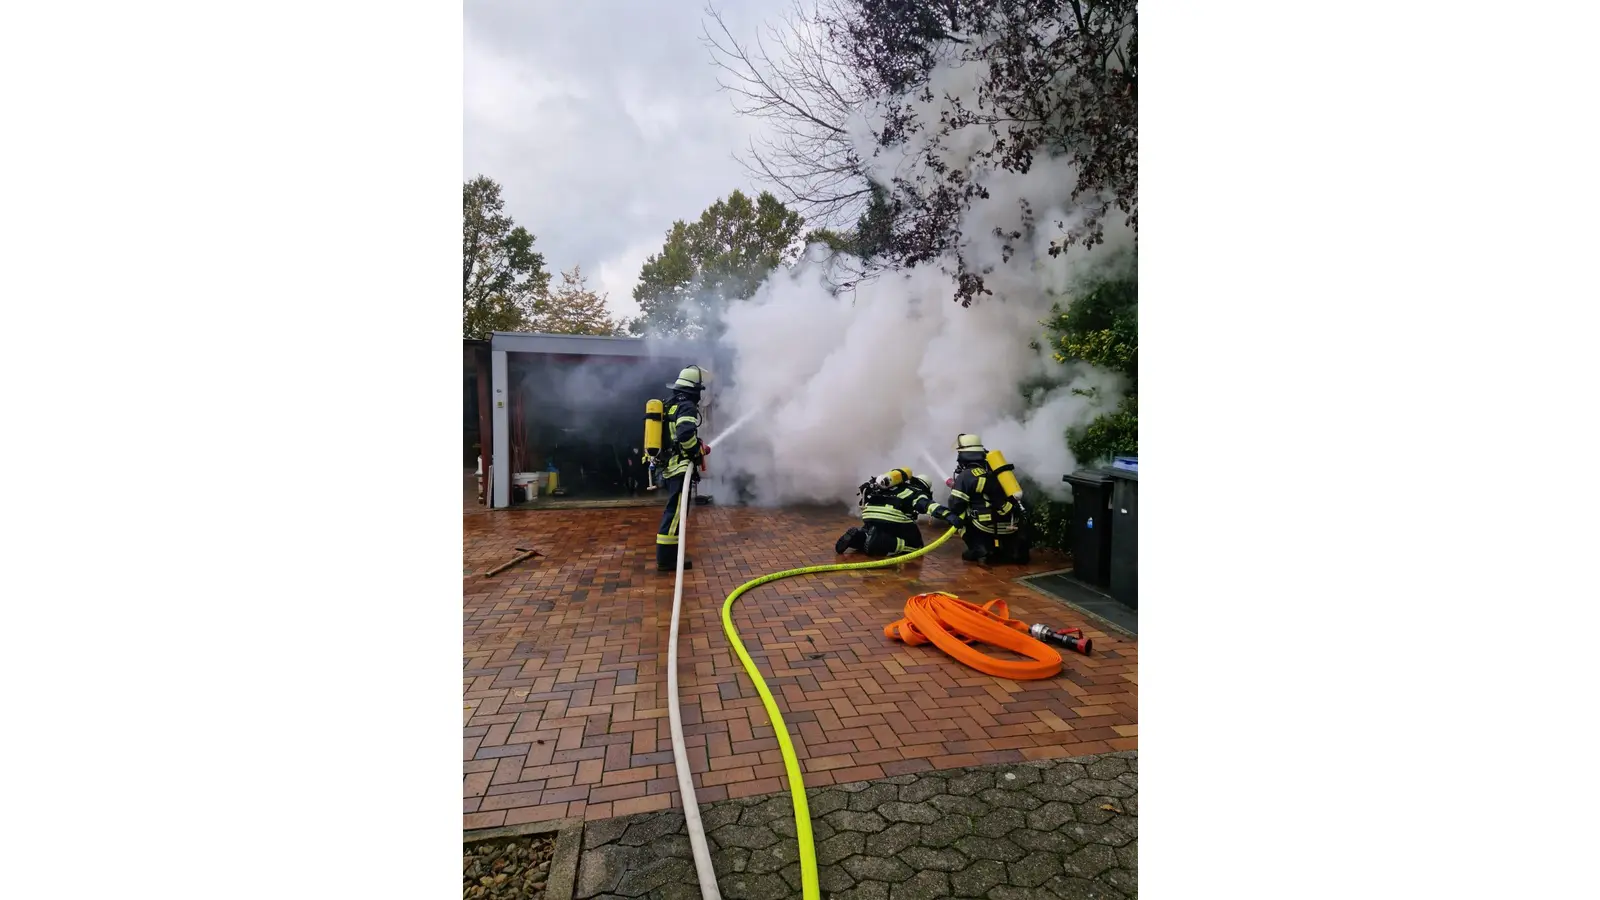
(584, 416)
(574, 420)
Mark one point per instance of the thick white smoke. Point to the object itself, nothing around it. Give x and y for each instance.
(846, 387)
(852, 385)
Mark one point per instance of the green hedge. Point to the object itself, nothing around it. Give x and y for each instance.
(1049, 521)
(1100, 326)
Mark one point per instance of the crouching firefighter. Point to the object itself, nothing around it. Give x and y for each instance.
(684, 452)
(890, 504)
(985, 501)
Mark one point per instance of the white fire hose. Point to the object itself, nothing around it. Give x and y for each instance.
(680, 755)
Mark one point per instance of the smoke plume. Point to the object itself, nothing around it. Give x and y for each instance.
(847, 385)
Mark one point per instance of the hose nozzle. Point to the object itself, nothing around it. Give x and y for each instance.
(1071, 638)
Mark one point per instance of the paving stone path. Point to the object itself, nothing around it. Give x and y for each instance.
(565, 678)
(1063, 828)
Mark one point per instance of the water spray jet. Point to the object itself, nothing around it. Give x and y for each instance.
(739, 423)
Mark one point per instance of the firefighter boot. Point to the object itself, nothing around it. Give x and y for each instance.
(977, 545)
(853, 537)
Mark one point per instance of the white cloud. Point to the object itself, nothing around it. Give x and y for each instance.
(603, 123)
(502, 93)
(618, 275)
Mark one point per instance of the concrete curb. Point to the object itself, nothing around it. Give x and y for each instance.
(563, 878)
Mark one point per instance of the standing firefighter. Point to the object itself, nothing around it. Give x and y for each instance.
(890, 504)
(991, 512)
(684, 450)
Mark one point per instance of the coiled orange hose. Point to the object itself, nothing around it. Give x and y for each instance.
(953, 624)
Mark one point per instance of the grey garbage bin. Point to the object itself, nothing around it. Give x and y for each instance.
(1125, 536)
(1091, 526)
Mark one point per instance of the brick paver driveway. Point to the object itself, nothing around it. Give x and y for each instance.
(565, 681)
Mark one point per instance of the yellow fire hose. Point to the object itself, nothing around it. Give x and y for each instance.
(791, 765)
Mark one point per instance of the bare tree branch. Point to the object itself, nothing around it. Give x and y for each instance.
(801, 85)
(1046, 88)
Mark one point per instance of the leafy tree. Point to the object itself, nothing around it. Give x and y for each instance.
(1057, 78)
(1111, 434)
(503, 279)
(723, 256)
(874, 233)
(1101, 327)
(875, 230)
(837, 241)
(573, 308)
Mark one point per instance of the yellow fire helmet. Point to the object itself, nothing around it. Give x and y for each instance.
(969, 443)
(692, 378)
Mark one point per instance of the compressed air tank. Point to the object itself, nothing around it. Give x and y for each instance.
(894, 478)
(652, 428)
(1004, 473)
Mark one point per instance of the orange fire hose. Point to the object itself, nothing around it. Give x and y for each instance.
(953, 625)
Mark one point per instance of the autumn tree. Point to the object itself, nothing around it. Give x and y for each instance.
(721, 257)
(503, 279)
(572, 308)
(1055, 78)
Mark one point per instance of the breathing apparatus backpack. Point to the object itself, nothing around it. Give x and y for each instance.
(1001, 477)
(869, 493)
(881, 488)
(1000, 491)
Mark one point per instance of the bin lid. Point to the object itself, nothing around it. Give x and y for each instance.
(1089, 476)
(1124, 474)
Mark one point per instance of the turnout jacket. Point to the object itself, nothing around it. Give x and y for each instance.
(978, 498)
(902, 504)
(681, 419)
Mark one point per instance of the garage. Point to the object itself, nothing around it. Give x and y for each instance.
(566, 412)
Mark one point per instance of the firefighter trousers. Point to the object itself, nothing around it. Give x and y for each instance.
(667, 534)
(987, 546)
(876, 538)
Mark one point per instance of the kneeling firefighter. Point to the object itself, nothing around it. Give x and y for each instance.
(684, 453)
(890, 504)
(987, 501)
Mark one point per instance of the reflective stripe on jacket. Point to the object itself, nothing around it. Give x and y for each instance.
(902, 506)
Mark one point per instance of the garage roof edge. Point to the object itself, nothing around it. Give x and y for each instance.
(591, 345)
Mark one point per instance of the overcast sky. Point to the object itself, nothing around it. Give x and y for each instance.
(603, 123)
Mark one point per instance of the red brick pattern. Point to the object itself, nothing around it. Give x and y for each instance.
(565, 681)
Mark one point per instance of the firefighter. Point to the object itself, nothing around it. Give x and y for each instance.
(989, 520)
(889, 509)
(683, 451)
